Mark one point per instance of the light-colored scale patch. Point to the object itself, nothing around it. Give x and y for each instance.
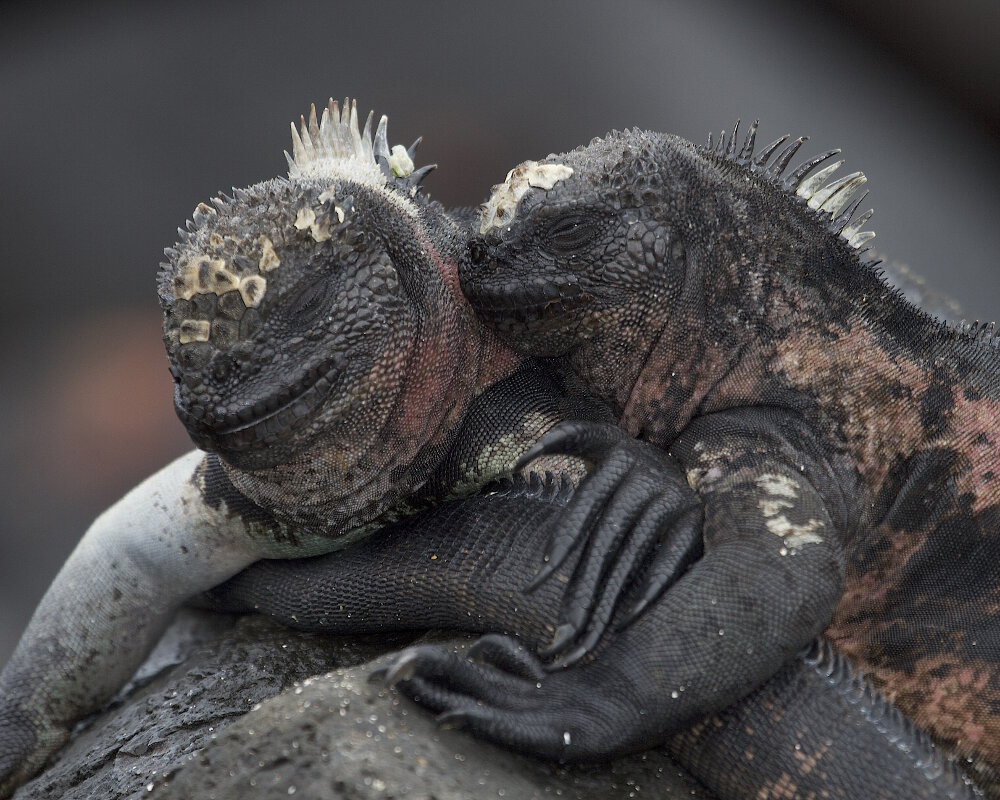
(194, 330)
(778, 485)
(501, 208)
(268, 258)
(204, 275)
(305, 218)
(781, 494)
(252, 289)
(319, 228)
(795, 535)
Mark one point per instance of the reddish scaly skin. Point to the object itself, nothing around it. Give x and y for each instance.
(728, 322)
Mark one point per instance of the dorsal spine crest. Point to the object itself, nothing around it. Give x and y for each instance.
(831, 199)
(331, 147)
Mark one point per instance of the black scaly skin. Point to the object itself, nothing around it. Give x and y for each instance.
(325, 357)
(836, 434)
(813, 730)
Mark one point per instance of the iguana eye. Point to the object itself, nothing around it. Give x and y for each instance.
(311, 303)
(570, 233)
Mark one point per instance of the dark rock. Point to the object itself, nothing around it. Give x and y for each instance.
(228, 707)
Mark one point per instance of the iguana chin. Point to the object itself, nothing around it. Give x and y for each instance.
(842, 441)
(324, 356)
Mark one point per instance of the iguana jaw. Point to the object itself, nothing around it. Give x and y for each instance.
(514, 312)
(251, 437)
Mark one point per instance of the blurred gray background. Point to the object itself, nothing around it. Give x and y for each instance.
(117, 119)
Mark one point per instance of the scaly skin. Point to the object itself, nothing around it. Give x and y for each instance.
(813, 729)
(325, 358)
(731, 315)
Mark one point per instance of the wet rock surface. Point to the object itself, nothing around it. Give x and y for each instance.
(231, 707)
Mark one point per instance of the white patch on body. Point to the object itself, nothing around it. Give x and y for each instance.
(306, 219)
(252, 289)
(501, 208)
(778, 485)
(795, 536)
(781, 493)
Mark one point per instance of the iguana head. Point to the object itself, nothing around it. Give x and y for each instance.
(603, 236)
(313, 325)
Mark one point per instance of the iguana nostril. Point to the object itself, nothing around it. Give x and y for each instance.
(478, 254)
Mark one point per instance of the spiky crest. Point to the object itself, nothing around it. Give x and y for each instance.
(832, 201)
(334, 147)
(833, 204)
(837, 671)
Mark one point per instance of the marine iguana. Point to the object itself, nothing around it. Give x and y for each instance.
(842, 441)
(324, 356)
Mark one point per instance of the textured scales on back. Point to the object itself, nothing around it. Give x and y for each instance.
(729, 310)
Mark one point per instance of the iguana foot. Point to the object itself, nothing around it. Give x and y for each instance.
(635, 515)
(507, 697)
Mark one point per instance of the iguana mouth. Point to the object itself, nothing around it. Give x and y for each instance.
(528, 303)
(265, 420)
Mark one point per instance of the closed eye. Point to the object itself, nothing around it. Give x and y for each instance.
(311, 303)
(570, 233)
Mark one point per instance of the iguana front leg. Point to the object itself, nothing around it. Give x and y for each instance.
(178, 533)
(771, 575)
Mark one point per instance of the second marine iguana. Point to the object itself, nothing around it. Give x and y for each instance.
(730, 313)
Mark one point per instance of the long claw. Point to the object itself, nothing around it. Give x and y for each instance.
(568, 660)
(564, 634)
(453, 720)
(402, 669)
(670, 562)
(584, 439)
